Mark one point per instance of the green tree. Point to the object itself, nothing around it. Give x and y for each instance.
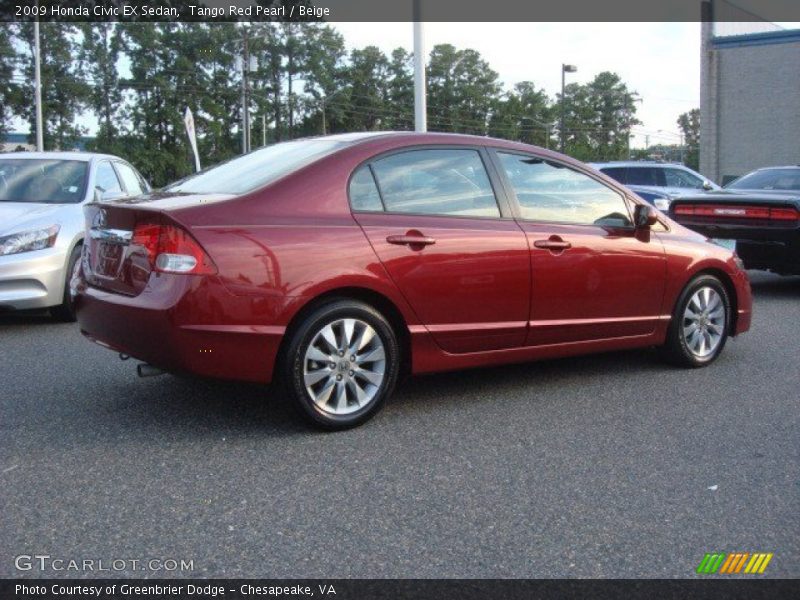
(689, 122)
(523, 114)
(364, 103)
(598, 118)
(100, 53)
(462, 90)
(9, 89)
(64, 90)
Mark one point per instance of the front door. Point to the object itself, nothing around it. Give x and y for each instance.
(434, 221)
(594, 276)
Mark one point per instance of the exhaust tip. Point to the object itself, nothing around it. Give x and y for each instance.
(123, 356)
(145, 370)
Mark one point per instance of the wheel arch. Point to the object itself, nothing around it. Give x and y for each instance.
(377, 300)
(730, 288)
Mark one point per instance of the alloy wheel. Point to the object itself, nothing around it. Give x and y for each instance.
(704, 322)
(344, 366)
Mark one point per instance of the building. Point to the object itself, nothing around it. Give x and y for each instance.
(749, 101)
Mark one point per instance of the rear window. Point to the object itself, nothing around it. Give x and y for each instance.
(768, 179)
(256, 169)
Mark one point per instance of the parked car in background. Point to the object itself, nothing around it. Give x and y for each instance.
(42, 195)
(337, 263)
(660, 200)
(759, 211)
(656, 181)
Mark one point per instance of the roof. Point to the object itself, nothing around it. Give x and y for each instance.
(636, 163)
(767, 38)
(81, 156)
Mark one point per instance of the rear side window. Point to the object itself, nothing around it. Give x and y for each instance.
(106, 178)
(645, 176)
(449, 182)
(616, 173)
(132, 183)
(549, 191)
(363, 191)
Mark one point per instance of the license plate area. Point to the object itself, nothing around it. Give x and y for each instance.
(108, 260)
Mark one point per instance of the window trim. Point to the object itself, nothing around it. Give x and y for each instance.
(503, 204)
(512, 195)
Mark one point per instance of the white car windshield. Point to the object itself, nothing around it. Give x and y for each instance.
(47, 181)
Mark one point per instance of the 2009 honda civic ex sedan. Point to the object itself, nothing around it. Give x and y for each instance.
(338, 263)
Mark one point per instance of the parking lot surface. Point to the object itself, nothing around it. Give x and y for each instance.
(612, 465)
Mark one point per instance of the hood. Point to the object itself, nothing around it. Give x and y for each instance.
(23, 216)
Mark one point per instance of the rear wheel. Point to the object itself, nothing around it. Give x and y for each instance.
(700, 323)
(341, 364)
(66, 310)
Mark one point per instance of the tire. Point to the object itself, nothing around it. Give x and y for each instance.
(700, 324)
(337, 389)
(65, 311)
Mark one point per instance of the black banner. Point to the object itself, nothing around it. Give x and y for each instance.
(401, 10)
(417, 589)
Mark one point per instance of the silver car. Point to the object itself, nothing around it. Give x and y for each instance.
(41, 221)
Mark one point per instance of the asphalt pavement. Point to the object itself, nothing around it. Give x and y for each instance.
(612, 465)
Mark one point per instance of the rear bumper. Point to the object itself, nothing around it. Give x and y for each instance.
(181, 324)
(760, 246)
(32, 280)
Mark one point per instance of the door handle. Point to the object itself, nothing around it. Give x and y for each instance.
(552, 244)
(411, 240)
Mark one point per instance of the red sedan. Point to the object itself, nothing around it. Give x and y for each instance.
(337, 264)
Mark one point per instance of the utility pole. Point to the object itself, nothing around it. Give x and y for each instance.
(564, 70)
(245, 103)
(38, 85)
(420, 93)
(263, 130)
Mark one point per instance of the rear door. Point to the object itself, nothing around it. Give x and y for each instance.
(594, 276)
(449, 243)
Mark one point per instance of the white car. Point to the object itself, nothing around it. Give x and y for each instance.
(42, 224)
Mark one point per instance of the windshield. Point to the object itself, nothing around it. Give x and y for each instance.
(768, 179)
(257, 169)
(49, 181)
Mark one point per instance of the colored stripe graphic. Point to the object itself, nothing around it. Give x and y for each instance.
(758, 563)
(733, 563)
(710, 563)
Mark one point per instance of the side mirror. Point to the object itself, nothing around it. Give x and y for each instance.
(101, 195)
(644, 216)
(707, 185)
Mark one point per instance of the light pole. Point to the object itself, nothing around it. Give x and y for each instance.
(420, 99)
(38, 85)
(564, 70)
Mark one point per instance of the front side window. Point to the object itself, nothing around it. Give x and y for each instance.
(42, 180)
(549, 191)
(106, 178)
(681, 178)
(450, 182)
(617, 173)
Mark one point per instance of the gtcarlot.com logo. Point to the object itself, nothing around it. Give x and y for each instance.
(734, 563)
(46, 562)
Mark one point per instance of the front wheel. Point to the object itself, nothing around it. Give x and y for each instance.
(341, 364)
(700, 323)
(66, 310)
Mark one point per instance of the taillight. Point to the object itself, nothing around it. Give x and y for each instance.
(740, 212)
(171, 249)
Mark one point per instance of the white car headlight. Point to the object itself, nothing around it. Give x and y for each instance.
(662, 204)
(27, 241)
